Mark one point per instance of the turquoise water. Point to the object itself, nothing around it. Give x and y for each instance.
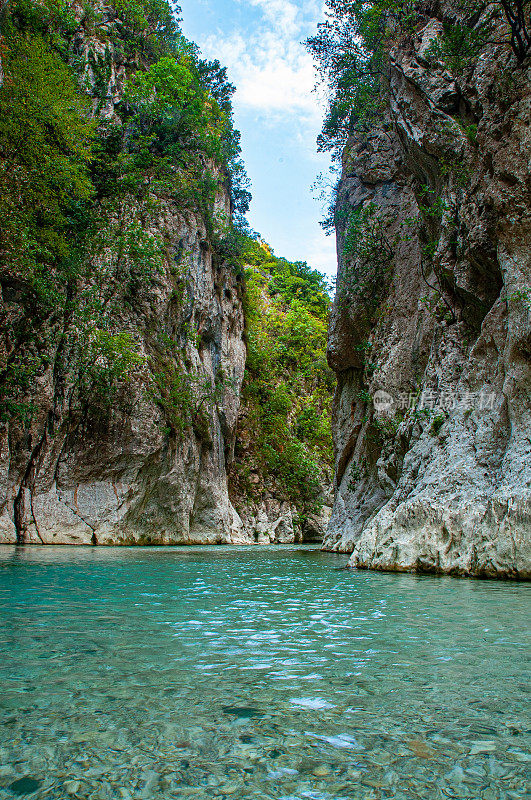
(259, 672)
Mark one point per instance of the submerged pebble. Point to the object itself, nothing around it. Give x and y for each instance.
(279, 713)
(321, 771)
(25, 785)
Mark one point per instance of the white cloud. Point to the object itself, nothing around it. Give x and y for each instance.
(271, 68)
(282, 15)
(261, 43)
(321, 254)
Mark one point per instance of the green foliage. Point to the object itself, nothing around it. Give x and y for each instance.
(187, 398)
(286, 279)
(179, 137)
(436, 213)
(520, 296)
(122, 252)
(45, 149)
(288, 385)
(364, 396)
(142, 15)
(147, 26)
(459, 45)
(437, 423)
(367, 255)
(109, 361)
(167, 91)
(350, 51)
(363, 236)
(81, 198)
(175, 127)
(16, 383)
(296, 469)
(52, 18)
(214, 77)
(431, 204)
(357, 473)
(462, 42)
(101, 69)
(471, 133)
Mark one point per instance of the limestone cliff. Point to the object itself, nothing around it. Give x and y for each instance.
(431, 328)
(126, 476)
(121, 378)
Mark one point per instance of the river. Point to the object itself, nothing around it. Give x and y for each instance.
(256, 672)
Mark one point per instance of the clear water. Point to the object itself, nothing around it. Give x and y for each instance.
(255, 673)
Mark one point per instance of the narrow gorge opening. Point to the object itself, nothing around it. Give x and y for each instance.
(241, 460)
(177, 373)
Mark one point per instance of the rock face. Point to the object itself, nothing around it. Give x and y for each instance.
(76, 479)
(150, 464)
(431, 330)
(268, 515)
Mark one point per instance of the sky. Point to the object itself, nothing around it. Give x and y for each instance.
(276, 110)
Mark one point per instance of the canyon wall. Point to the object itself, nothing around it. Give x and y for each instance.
(125, 315)
(123, 475)
(121, 384)
(430, 335)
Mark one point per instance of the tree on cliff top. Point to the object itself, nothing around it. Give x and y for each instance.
(351, 51)
(72, 178)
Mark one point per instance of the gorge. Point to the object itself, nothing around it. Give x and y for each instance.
(234, 501)
(134, 295)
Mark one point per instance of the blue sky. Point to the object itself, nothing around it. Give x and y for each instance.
(278, 114)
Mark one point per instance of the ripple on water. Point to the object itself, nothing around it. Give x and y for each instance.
(256, 673)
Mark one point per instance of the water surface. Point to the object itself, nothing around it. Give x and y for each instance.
(256, 672)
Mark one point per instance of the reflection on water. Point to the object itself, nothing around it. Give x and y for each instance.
(255, 673)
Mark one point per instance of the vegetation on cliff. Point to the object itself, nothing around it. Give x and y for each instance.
(285, 439)
(106, 113)
(351, 50)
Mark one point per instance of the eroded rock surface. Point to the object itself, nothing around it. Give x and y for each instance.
(148, 465)
(77, 479)
(436, 475)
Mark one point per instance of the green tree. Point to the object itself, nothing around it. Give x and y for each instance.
(45, 151)
(350, 52)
